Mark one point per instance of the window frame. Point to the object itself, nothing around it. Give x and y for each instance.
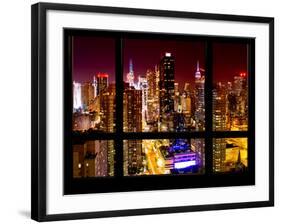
(119, 182)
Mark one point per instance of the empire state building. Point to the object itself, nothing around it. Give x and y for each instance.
(130, 75)
(199, 99)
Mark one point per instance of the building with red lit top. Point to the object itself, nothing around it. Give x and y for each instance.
(102, 82)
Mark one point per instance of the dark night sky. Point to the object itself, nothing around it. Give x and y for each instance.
(92, 55)
(229, 60)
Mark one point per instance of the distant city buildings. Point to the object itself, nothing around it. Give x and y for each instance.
(238, 116)
(157, 102)
(96, 112)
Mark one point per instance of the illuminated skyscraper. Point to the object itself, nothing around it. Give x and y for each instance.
(167, 92)
(77, 99)
(240, 89)
(198, 146)
(132, 110)
(95, 87)
(219, 107)
(130, 75)
(107, 111)
(219, 147)
(107, 108)
(199, 114)
(199, 99)
(239, 84)
(102, 166)
(185, 101)
(237, 104)
(152, 77)
(176, 88)
(102, 82)
(187, 87)
(85, 95)
(157, 80)
(132, 122)
(219, 124)
(143, 86)
(152, 84)
(177, 99)
(231, 108)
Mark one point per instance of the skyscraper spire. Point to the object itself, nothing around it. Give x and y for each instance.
(95, 85)
(130, 75)
(131, 66)
(197, 73)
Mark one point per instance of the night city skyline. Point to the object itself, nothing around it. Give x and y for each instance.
(93, 55)
(163, 91)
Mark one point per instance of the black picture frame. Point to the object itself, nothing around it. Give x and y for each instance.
(39, 114)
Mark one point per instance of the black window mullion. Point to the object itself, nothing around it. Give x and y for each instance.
(68, 159)
(208, 107)
(163, 135)
(118, 166)
(78, 137)
(229, 134)
(251, 104)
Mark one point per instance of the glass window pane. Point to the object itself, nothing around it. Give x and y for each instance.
(93, 158)
(163, 85)
(93, 75)
(164, 156)
(230, 154)
(230, 87)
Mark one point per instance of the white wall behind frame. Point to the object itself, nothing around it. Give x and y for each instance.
(15, 72)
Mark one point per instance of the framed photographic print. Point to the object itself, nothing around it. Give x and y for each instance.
(165, 111)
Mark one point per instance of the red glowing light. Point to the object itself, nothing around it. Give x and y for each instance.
(102, 75)
(242, 74)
